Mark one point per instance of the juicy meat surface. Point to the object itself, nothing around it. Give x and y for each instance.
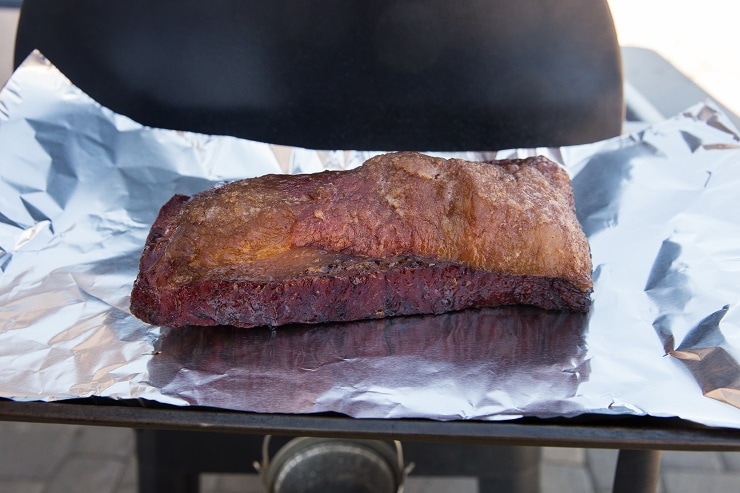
(403, 234)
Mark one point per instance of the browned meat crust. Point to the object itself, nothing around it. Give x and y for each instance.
(403, 234)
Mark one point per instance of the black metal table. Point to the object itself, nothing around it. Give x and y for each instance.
(640, 439)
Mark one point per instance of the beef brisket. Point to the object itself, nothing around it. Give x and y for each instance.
(403, 234)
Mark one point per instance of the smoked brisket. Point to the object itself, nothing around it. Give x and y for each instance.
(403, 234)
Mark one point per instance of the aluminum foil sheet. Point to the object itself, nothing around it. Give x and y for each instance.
(80, 186)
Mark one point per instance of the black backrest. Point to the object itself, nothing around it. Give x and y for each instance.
(344, 74)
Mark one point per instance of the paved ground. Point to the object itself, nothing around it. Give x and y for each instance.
(44, 458)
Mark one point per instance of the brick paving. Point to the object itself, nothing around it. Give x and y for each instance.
(49, 458)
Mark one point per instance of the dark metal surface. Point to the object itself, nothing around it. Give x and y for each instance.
(589, 431)
(172, 457)
(473, 74)
(638, 471)
(321, 465)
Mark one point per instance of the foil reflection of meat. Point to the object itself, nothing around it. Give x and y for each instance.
(468, 364)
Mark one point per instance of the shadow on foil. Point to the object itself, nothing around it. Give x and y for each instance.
(469, 364)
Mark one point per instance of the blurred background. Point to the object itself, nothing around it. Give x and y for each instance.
(696, 37)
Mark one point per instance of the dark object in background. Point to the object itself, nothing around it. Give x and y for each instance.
(337, 74)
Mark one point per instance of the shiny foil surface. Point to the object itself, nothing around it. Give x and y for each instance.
(80, 187)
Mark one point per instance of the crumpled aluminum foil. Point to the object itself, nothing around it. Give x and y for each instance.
(81, 185)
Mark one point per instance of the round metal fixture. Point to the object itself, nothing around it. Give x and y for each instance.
(332, 465)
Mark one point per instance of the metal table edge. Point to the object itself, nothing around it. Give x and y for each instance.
(595, 432)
